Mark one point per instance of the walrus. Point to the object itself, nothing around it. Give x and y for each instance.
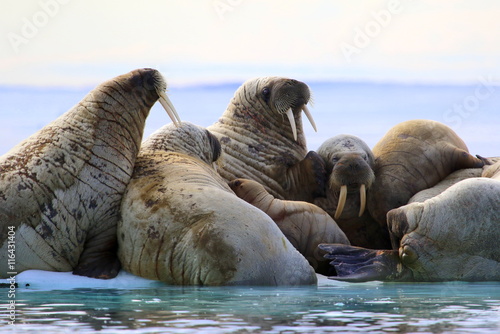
(349, 166)
(455, 177)
(60, 189)
(182, 224)
(412, 156)
(263, 140)
(493, 170)
(450, 237)
(304, 224)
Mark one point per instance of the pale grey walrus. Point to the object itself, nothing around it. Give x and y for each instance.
(262, 137)
(455, 177)
(304, 224)
(60, 189)
(451, 237)
(349, 165)
(493, 170)
(412, 156)
(182, 224)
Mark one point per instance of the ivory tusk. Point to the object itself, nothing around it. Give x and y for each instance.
(169, 108)
(309, 117)
(341, 204)
(289, 113)
(362, 199)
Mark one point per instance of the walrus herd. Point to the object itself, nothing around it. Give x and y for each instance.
(243, 201)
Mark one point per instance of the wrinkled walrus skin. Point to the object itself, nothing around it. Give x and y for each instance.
(492, 171)
(453, 178)
(451, 237)
(413, 156)
(60, 189)
(182, 224)
(263, 140)
(304, 224)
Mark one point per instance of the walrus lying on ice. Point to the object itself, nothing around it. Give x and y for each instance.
(183, 225)
(450, 237)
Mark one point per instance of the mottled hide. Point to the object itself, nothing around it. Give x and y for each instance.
(183, 225)
(60, 189)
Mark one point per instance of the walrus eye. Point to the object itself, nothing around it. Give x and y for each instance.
(266, 92)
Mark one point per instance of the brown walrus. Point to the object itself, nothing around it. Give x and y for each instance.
(412, 156)
(182, 224)
(349, 165)
(262, 137)
(60, 189)
(304, 224)
(450, 237)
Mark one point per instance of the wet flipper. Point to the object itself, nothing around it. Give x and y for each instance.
(356, 264)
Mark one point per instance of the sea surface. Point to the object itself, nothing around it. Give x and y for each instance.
(45, 303)
(54, 306)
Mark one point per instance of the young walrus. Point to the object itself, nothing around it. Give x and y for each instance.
(304, 224)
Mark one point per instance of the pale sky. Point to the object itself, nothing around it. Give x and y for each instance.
(78, 43)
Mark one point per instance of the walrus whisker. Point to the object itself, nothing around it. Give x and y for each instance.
(341, 204)
(362, 199)
(289, 113)
(309, 117)
(169, 108)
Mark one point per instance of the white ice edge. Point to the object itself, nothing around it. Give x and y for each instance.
(47, 280)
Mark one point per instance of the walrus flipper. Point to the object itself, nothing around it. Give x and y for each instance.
(99, 260)
(356, 264)
(307, 179)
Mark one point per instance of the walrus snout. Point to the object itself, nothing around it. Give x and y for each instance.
(351, 170)
(351, 173)
(147, 84)
(290, 97)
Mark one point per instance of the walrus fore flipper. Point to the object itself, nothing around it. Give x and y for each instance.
(356, 264)
(307, 179)
(99, 259)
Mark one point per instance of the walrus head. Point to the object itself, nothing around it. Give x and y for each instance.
(282, 96)
(186, 138)
(349, 162)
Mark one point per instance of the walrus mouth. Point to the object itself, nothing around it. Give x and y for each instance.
(343, 197)
(291, 119)
(169, 108)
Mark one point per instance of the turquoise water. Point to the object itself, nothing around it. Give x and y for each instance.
(330, 307)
